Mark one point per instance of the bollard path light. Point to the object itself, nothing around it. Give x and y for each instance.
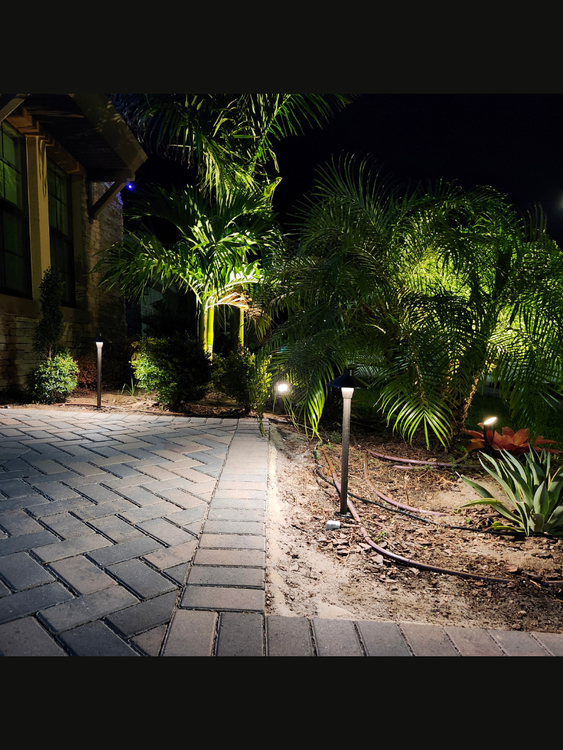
(99, 344)
(346, 382)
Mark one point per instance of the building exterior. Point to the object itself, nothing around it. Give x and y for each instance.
(64, 158)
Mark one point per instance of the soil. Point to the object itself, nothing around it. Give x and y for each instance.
(315, 572)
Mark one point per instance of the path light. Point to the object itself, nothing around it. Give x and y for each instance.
(281, 389)
(99, 344)
(346, 382)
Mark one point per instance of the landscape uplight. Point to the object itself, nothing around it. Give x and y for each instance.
(488, 423)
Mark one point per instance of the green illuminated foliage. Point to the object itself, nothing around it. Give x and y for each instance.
(175, 368)
(427, 292)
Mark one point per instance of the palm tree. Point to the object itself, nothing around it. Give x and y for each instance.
(215, 255)
(426, 293)
(228, 138)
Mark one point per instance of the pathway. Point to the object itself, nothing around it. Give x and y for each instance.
(142, 535)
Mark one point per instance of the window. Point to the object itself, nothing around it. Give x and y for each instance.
(60, 229)
(15, 269)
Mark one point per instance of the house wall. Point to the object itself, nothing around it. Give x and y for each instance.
(97, 310)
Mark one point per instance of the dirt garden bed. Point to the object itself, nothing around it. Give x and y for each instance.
(313, 572)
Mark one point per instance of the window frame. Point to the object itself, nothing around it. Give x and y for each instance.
(19, 213)
(57, 236)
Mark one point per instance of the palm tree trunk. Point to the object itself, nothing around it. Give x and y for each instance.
(210, 331)
(202, 328)
(241, 330)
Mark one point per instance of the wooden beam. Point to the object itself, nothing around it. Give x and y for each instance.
(100, 204)
(9, 102)
(25, 124)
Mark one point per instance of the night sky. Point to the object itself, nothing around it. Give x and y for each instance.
(512, 142)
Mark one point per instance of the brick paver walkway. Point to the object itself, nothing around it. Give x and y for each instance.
(140, 535)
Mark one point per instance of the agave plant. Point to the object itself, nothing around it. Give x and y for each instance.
(535, 494)
(515, 443)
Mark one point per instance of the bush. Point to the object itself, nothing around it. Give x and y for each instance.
(176, 368)
(50, 328)
(87, 373)
(244, 377)
(116, 366)
(53, 380)
(233, 374)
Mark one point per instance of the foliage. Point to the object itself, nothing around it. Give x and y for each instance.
(535, 494)
(116, 366)
(232, 375)
(512, 442)
(244, 377)
(176, 368)
(260, 386)
(228, 138)
(87, 373)
(50, 328)
(54, 379)
(211, 258)
(426, 292)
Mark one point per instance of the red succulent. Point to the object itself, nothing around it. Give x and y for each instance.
(513, 442)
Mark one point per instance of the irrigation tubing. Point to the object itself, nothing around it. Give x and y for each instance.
(453, 465)
(413, 563)
(394, 502)
(403, 560)
(401, 512)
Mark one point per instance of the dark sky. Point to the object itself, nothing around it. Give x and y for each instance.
(512, 142)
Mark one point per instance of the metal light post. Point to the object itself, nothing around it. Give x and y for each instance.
(99, 344)
(346, 382)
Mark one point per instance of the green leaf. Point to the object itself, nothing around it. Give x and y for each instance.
(478, 488)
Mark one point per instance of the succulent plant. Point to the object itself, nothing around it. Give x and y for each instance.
(535, 495)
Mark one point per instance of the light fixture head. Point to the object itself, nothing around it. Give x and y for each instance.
(490, 421)
(99, 341)
(346, 380)
(282, 388)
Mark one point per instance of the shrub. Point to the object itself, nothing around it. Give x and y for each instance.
(232, 374)
(50, 328)
(53, 380)
(244, 377)
(56, 376)
(116, 366)
(176, 368)
(536, 496)
(87, 373)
